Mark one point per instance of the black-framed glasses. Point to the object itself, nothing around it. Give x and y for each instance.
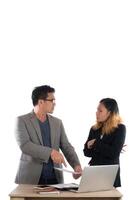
(51, 100)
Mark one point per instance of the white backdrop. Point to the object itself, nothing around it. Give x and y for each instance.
(86, 50)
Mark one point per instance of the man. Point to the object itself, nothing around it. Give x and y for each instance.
(40, 136)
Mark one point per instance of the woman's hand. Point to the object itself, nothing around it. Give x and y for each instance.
(124, 148)
(90, 143)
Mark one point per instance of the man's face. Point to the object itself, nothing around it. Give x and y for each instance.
(47, 105)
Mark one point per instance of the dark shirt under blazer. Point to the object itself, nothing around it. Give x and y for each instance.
(106, 150)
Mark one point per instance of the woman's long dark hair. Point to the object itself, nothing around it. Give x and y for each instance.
(114, 118)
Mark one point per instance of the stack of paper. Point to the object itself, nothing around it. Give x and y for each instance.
(42, 189)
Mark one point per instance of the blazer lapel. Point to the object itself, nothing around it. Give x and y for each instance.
(36, 126)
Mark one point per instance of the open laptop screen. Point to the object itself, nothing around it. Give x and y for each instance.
(98, 178)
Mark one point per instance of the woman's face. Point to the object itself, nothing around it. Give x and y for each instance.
(102, 113)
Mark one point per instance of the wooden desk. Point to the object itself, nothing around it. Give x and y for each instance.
(26, 192)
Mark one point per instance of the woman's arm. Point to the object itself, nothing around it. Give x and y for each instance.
(88, 146)
(113, 149)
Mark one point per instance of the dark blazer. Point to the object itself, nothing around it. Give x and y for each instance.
(106, 150)
(34, 153)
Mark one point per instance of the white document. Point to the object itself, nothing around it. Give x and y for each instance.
(66, 170)
(65, 185)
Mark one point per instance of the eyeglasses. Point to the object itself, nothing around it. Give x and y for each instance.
(51, 100)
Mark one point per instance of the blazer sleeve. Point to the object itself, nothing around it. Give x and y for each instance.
(89, 152)
(27, 146)
(107, 149)
(67, 149)
(113, 149)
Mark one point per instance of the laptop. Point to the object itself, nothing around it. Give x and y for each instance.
(98, 178)
(94, 178)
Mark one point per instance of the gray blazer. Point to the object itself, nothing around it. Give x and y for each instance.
(34, 154)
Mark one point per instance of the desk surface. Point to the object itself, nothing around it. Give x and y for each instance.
(28, 191)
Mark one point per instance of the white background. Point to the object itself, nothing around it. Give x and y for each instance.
(87, 50)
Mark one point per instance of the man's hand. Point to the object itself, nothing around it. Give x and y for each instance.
(78, 171)
(90, 143)
(57, 157)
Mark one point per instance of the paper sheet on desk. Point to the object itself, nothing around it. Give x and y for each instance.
(65, 185)
(66, 170)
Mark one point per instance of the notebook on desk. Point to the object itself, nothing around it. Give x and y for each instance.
(94, 178)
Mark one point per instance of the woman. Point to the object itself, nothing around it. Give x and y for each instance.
(106, 137)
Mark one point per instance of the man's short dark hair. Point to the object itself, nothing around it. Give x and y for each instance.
(41, 92)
